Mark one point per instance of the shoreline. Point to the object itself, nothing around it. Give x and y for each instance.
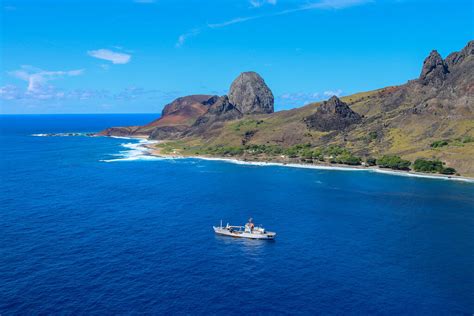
(153, 151)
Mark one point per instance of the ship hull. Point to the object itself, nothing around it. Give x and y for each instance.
(236, 234)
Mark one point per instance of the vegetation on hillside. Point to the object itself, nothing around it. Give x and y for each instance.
(307, 154)
(393, 162)
(425, 165)
(460, 141)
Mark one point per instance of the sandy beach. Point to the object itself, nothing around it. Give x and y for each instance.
(152, 150)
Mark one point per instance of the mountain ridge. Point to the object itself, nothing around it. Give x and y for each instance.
(403, 120)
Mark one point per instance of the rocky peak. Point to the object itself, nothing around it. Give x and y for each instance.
(434, 69)
(250, 94)
(334, 105)
(469, 49)
(332, 114)
(457, 58)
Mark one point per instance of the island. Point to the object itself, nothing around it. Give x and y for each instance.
(425, 125)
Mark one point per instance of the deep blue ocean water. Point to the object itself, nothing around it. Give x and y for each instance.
(82, 235)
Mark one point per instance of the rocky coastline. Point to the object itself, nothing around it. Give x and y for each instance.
(426, 123)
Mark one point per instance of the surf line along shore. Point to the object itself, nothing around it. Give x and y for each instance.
(150, 149)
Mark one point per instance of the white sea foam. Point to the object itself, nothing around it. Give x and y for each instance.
(273, 164)
(320, 167)
(134, 151)
(138, 151)
(418, 175)
(68, 134)
(122, 137)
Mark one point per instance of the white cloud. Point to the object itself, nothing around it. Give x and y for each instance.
(259, 3)
(9, 92)
(320, 5)
(114, 57)
(37, 78)
(324, 4)
(336, 4)
(49, 92)
(233, 21)
(183, 37)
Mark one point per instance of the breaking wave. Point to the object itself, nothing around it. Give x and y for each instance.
(134, 151)
(70, 134)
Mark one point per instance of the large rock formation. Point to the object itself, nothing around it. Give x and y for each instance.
(332, 115)
(444, 88)
(193, 114)
(250, 94)
(434, 69)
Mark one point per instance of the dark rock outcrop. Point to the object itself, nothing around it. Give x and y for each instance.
(434, 69)
(222, 110)
(250, 94)
(332, 115)
(444, 88)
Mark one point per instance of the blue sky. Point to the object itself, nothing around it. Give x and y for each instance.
(134, 56)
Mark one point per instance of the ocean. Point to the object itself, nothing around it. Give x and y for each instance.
(91, 225)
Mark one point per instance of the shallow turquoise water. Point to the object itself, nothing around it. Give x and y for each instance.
(80, 235)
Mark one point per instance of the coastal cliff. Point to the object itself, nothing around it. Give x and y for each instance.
(427, 122)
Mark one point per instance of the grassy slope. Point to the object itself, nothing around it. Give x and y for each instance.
(404, 135)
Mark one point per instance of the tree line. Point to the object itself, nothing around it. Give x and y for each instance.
(332, 154)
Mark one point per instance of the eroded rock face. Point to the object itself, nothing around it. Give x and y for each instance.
(250, 94)
(332, 115)
(221, 110)
(434, 69)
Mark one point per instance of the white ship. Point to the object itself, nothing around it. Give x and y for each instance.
(247, 231)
